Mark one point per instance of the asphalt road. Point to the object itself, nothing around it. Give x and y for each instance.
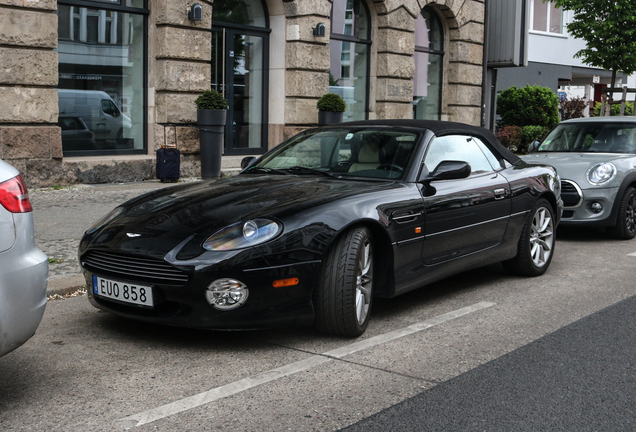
(579, 378)
(482, 350)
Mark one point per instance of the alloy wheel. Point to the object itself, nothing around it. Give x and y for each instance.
(364, 283)
(541, 237)
(630, 214)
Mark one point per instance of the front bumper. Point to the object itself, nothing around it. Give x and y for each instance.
(582, 214)
(186, 306)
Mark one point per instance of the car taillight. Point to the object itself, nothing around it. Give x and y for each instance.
(14, 196)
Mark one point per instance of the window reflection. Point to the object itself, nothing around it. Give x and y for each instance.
(349, 56)
(427, 82)
(101, 81)
(243, 12)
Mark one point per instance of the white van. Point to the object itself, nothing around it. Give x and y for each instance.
(98, 111)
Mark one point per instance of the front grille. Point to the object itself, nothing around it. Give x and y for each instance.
(132, 268)
(570, 194)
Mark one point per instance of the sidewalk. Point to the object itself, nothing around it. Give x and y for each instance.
(62, 215)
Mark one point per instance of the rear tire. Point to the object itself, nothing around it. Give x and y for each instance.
(344, 293)
(625, 228)
(536, 244)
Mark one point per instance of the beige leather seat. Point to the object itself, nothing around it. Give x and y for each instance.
(368, 158)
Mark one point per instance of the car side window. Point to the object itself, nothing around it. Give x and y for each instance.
(494, 160)
(69, 124)
(457, 148)
(109, 108)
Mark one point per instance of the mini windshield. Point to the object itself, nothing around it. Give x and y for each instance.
(347, 152)
(591, 137)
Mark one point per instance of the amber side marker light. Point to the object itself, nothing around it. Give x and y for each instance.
(285, 282)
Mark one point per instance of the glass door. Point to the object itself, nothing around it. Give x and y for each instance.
(239, 72)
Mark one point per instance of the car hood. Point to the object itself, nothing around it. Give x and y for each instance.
(574, 166)
(160, 221)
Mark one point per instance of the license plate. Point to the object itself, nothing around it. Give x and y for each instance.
(123, 291)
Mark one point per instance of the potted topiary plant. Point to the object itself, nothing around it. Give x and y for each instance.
(211, 117)
(331, 108)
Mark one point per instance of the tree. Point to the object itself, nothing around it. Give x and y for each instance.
(609, 29)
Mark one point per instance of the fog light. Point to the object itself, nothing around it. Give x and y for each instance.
(226, 294)
(596, 207)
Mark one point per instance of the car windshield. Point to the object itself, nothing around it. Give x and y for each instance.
(343, 152)
(591, 137)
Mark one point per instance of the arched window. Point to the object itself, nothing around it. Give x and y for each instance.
(429, 56)
(239, 66)
(349, 46)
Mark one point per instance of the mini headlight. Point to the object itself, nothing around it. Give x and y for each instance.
(103, 221)
(243, 234)
(601, 173)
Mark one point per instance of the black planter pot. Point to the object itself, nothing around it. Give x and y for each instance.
(329, 118)
(211, 124)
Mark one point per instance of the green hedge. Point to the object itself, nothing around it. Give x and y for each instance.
(616, 109)
(517, 139)
(528, 106)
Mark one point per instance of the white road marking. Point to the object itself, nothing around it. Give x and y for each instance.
(632, 254)
(214, 394)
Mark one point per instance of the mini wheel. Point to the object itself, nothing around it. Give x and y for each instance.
(625, 228)
(344, 292)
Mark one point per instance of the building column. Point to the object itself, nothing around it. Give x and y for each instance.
(465, 60)
(395, 45)
(306, 63)
(179, 70)
(30, 139)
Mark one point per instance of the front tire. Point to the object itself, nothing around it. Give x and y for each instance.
(536, 245)
(344, 293)
(625, 228)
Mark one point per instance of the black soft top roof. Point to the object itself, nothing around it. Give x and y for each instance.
(443, 128)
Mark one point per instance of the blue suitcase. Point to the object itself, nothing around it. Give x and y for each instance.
(168, 158)
(168, 164)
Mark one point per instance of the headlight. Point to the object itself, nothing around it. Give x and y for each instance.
(103, 221)
(243, 234)
(601, 173)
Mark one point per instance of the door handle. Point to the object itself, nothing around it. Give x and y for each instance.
(501, 193)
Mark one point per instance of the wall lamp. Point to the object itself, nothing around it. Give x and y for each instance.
(319, 30)
(196, 12)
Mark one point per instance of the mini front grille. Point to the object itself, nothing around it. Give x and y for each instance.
(570, 194)
(132, 268)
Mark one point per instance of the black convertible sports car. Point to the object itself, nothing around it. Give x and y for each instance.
(313, 230)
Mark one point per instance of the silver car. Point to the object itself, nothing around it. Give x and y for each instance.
(23, 268)
(596, 160)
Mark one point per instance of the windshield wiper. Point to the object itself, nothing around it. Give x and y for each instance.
(263, 170)
(300, 169)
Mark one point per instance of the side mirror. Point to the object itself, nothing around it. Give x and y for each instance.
(247, 161)
(534, 146)
(447, 170)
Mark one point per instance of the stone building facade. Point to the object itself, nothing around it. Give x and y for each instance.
(278, 62)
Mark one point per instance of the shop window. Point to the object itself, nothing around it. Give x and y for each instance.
(349, 47)
(546, 17)
(429, 55)
(102, 80)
